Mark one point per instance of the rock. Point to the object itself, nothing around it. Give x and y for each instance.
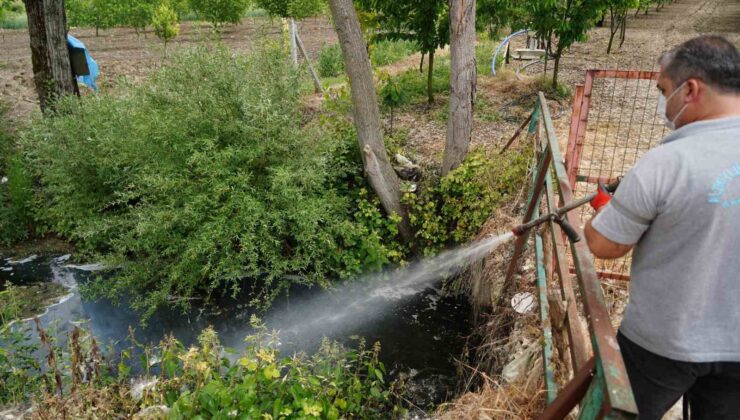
(406, 169)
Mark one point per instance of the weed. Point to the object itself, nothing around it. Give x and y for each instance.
(386, 52)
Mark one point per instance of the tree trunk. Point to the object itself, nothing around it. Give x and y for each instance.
(462, 83)
(556, 67)
(365, 110)
(52, 72)
(430, 78)
(421, 63)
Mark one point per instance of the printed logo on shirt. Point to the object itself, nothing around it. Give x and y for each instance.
(720, 187)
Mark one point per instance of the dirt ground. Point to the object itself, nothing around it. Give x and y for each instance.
(121, 52)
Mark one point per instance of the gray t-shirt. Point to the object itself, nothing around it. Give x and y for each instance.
(680, 205)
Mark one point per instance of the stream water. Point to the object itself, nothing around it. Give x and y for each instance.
(420, 328)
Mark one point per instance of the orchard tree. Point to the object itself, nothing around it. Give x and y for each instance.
(426, 22)
(462, 83)
(220, 12)
(100, 14)
(166, 23)
(618, 19)
(492, 15)
(380, 173)
(560, 23)
(137, 13)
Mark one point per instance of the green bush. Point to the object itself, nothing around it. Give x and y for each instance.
(203, 381)
(453, 210)
(16, 190)
(296, 9)
(389, 51)
(204, 180)
(330, 62)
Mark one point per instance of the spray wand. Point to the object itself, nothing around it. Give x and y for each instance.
(557, 216)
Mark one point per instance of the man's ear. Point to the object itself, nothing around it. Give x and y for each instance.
(693, 90)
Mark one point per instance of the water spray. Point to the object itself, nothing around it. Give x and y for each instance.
(558, 216)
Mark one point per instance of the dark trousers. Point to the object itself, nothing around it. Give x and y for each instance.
(713, 389)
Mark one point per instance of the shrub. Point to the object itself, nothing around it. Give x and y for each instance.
(202, 381)
(453, 210)
(16, 190)
(203, 181)
(389, 51)
(331, 62)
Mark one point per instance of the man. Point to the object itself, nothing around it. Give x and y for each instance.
(679, 207)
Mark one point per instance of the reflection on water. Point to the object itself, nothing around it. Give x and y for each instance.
(419, 329)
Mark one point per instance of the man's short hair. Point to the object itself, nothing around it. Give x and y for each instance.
(710, 58)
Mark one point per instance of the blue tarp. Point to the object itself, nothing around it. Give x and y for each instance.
(90, 79)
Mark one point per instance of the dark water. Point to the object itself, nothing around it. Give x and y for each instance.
(419, 331)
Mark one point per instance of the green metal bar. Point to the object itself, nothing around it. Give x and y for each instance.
(549, 368)
(618, 394)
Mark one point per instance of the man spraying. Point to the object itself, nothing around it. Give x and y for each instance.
(679, 207)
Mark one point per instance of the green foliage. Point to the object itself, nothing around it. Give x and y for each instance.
(332, 384)
(16, 190)
(100, 14)
(561, 23)
(392, 94)
(205, 180)
(494, 15)
(296, 9)
(8, 9)
(386, 52)
(220, 12)
(203, 381)
(21, 377)
(330, 62)
(425, 22)
(165, 22)
(453, 210)
(137, 13)
(414, 84)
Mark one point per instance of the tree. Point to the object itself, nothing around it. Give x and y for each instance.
(166, 23)
(381, 175)
(618, 19)
(462, 83)
(560, 23)
(52, 72)
(137, 13)
(220, 12)
(291, 9)
(492, 15)
(100, 14)
(422, 21)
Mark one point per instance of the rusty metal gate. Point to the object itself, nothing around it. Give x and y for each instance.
(614, 122)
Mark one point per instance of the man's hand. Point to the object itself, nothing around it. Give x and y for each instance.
(602, 197)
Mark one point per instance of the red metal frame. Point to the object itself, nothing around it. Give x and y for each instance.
(582, 101)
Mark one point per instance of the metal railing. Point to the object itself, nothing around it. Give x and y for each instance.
(599, 383)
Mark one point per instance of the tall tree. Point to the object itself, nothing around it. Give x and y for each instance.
(462, 83)
(381, 175)
(47, 29)
(422, 21)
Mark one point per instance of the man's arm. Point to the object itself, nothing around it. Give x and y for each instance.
(601, 246)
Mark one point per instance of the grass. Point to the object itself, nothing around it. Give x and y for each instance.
(14, 21)
(383, 53)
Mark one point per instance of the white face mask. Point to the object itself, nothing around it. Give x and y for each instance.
(662, 105)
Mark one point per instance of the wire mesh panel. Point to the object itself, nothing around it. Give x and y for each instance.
(614, 122)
